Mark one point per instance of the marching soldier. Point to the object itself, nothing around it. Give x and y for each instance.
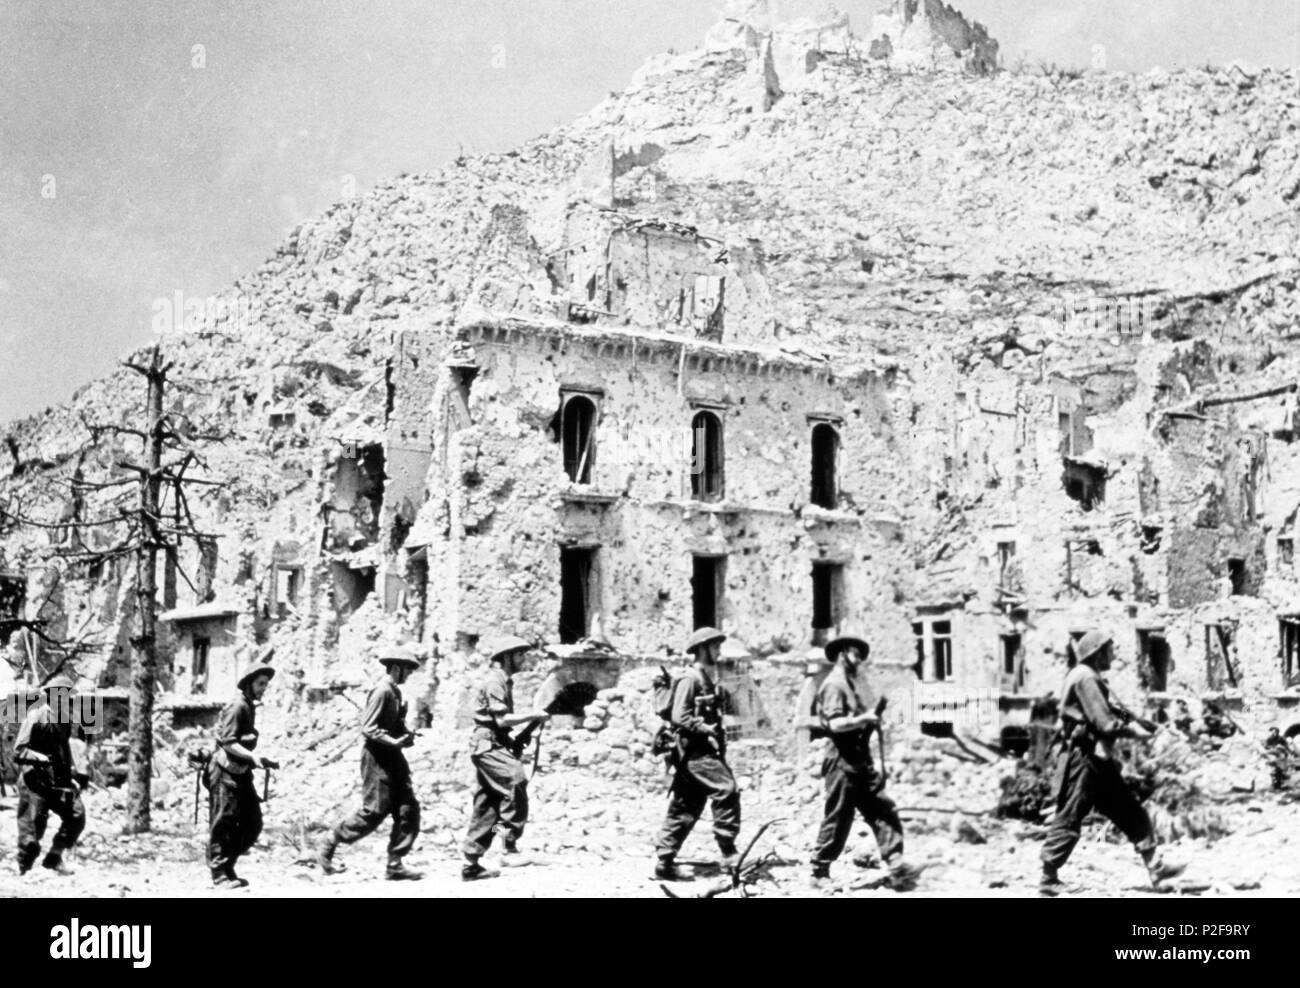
(501, 792)
(234, 809)
(702, 774)
(45, 780)
(1087, 774)
(853, 785)
(385, 776)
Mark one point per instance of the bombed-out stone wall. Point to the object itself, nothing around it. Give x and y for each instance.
(501, 505)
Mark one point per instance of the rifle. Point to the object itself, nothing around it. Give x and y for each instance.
(1127, 716)
(880, 734)
(537, 753)
(521, 740)
(198, 760)
(267, 767)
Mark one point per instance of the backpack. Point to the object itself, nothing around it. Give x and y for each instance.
(664, 685)
(665, 738)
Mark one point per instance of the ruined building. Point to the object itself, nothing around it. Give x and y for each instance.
(780, 339)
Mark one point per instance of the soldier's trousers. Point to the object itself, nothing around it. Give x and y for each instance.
(234, 817)
(700, 779)
(385, 792)
(851, 790)
(1084, 782)
(500, 801)
(35, 804)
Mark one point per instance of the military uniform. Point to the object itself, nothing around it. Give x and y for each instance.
(501, 792)
(702, 774)
(46, 788)
(852, 783)
(385, 777)
(234, 809)
(1087, 777)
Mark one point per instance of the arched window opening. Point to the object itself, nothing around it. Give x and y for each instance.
(578, 431)
(706, 457)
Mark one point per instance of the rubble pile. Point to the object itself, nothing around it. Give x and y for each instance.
(1027, 794)
(1184, 790)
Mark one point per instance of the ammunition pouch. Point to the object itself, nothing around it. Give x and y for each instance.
(1077, 735)
(38, 777)
(664, 741)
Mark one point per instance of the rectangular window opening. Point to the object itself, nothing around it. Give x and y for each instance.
(1013, 669)
(1289, 632)
(825, 453)
(941, 645)
(13, 603)
(577, 593)
(827, 584)
(1237, 576)
(417, 579)
(288, 581)
(707, 590)
(1219, 669)
(199, 665)
(1153, 661)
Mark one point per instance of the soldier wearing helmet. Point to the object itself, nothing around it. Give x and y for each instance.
(702, 775)
(386, 789)
(234, 810)
(501, 789)
(1087, 774)
(45, 783)
(853, 783)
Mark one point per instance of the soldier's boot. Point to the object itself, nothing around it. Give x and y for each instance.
(221, 880)
(666, 870)
(730, 856)
(398, 872)
(26, 859)
(1049, 885)
(53, 861)
(235, 880)
(821, 876)
(472, 871)
(325, 855)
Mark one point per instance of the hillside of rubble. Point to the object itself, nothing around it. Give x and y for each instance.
(893, 209)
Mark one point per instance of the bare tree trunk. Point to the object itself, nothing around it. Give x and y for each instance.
(144, 665)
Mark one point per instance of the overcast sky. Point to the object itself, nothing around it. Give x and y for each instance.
(133, 165)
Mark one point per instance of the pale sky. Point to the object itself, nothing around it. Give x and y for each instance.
(128, 172)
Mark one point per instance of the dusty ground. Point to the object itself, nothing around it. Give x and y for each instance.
(1257, 859)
